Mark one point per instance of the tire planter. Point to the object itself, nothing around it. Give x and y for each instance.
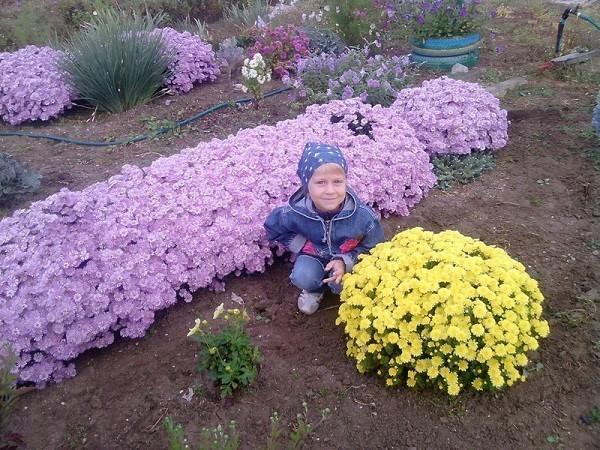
(443, 53)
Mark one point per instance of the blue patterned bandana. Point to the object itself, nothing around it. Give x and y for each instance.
(314, 156)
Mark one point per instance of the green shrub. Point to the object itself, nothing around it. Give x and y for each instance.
(352, 19)
(323, 41)
(115, 63)
(228, 357)
(463, 169)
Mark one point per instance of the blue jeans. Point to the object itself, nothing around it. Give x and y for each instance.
(308, 274)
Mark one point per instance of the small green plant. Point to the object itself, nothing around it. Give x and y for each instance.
(227, 357)
(175, 434)
(115, 62)
(275, 432)
(592, 417)
(463, 169)
(303, 427)
(159, 127)
(218, 438)
(491, 76)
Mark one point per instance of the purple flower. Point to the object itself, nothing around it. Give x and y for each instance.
(371, 83)
(451, 116)
(31, 85)
(194, 61)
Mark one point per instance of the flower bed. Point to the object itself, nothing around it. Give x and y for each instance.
(79, 267)
(441, 310)
(194, 60)
(451, 116)
(282, 47)
(323, 77)
(31, 86)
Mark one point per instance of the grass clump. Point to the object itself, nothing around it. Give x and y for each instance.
(115, 62)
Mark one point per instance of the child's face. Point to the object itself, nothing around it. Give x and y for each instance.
(327, 187)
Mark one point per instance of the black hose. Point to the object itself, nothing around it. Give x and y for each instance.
(561, 26)
(142, 137)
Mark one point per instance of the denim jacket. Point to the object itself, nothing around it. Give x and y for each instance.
(354, 230)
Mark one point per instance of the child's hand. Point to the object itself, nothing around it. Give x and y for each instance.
(337, 268)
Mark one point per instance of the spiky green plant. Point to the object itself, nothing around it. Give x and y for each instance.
(246, 15)
(115, 62)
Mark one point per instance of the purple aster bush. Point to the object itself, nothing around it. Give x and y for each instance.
(194, 60)
(31, 85)
(452, 116)
(79, 267)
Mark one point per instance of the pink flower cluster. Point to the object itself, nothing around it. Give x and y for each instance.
(31, 85)
(281, 46)
(79, 267)
(194, 60)
(451, 116)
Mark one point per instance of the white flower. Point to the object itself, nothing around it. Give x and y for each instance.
(257, 57)
(268, 77)
(218, 311)
(303, 17)
(245, 71)
(326, 8)
(253, 63)
(244, 89)
(252, 73)
(195, 328)
(246, 61)
(260, 79)
(337, 9)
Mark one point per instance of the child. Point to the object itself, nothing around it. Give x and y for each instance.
(325, 223)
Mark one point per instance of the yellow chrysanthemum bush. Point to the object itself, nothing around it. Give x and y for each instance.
(441, 310)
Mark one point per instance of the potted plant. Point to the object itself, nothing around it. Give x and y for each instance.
(446, 32)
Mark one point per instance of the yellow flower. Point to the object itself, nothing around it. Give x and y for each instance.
(392, 337)
(478, 384)
(477, 329)
(430, 304)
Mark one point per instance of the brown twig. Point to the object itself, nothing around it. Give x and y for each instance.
(153, 427)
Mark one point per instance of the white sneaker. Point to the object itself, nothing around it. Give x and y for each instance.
(308, 302)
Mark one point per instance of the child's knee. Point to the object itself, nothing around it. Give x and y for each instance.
(305, 280)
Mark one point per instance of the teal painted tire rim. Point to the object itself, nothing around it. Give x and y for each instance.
(446, 43)
(446, 62)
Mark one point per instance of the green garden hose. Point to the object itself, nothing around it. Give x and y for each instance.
(142, 137)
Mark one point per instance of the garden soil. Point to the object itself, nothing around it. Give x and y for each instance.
(541, 203)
